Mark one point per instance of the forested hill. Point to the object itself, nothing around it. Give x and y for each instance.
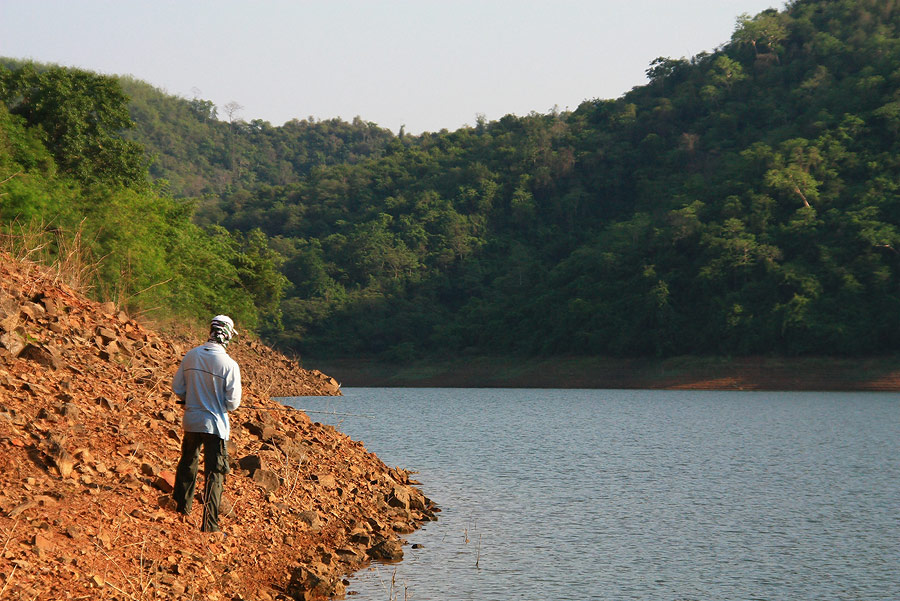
(743, 201)
(75, 194)
(199, 151)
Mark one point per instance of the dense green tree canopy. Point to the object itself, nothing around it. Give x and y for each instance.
(80, 117)
(743, 201)
(71, 185)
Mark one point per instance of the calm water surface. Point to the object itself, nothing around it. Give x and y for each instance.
(657, 495)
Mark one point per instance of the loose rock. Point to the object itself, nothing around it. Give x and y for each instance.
(268, 480)
(387, 550)
(90, 400)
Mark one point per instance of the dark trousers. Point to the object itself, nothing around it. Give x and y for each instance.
(215, 466)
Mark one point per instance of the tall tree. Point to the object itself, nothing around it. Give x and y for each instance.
(82, 115)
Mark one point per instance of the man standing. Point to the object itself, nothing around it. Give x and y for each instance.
(208, 382)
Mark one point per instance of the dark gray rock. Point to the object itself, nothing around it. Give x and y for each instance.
(250, 463)
(311, 518)
(269, 480)
(386, 550)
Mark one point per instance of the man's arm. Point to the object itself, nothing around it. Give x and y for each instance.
(233, 388)
(179, 386)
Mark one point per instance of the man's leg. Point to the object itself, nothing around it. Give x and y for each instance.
(186, 472)
(215, 466)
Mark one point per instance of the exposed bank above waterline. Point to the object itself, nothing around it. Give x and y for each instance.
(700, 373)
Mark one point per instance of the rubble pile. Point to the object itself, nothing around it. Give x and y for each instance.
(89, 440)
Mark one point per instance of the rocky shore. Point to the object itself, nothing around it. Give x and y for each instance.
(89, 440)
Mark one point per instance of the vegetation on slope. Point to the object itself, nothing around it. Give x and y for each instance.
(743, 201)
(69, 182)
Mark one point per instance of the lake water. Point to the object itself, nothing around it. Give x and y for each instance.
(622, 494)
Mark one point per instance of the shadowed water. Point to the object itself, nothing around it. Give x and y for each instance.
(658, 495)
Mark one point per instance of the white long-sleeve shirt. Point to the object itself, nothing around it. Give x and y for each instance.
(209, 381)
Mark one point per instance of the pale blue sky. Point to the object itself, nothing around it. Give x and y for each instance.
(421, 63)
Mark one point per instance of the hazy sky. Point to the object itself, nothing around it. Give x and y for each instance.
(424, 64)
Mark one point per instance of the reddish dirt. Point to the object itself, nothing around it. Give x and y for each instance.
(689, 373)
(89, 440)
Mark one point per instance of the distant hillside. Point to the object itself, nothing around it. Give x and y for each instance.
(198, 152)
(744, 201)
(75, 192)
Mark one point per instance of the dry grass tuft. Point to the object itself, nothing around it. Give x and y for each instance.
(66, 253)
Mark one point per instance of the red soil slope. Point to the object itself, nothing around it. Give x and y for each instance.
(89, 439)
